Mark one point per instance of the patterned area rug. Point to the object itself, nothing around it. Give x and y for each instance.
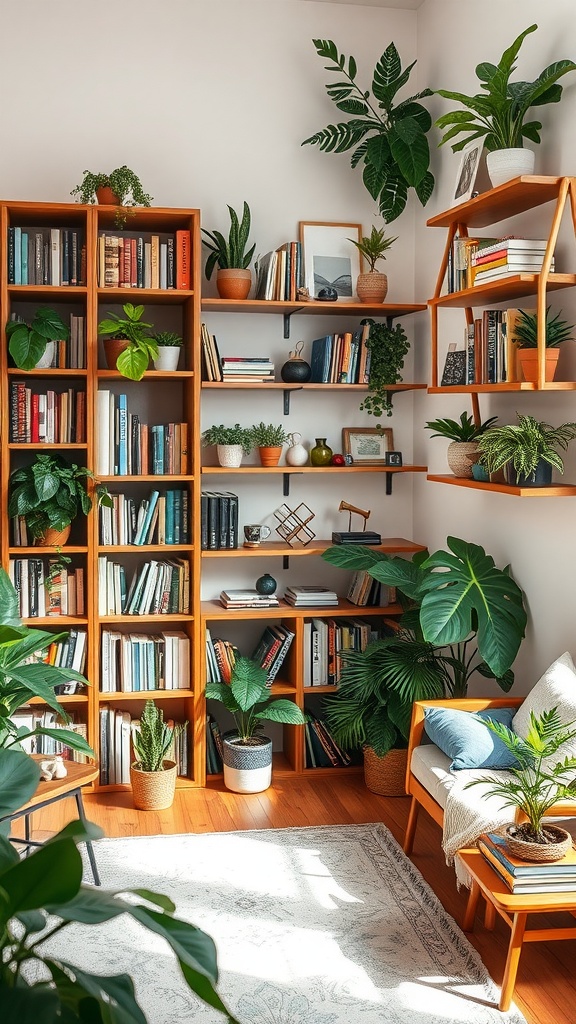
(329, 925)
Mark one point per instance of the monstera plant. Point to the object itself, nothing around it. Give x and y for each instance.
(388, 139)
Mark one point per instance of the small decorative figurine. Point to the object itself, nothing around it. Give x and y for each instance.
(53, 768)
(350, 537)
(327, 295)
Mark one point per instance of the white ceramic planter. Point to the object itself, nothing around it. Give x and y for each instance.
(247, 769)
(167, 358)
(229, 455)
(46, 360)
(504, 164)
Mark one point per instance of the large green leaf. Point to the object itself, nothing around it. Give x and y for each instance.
(425, 187)
(70, 739)
(281, 710)
(35, 1005)
(26, 347)
(222, 692)
(114, 993)
(410, 149)
(132, 363)
(393, 197)
(9, 606)
(340, 137)
(51, 874)
(19, 777)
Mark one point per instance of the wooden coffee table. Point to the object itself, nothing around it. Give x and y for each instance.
(58, 789)
(514, 910)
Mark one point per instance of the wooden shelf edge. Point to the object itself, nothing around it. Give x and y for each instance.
(555, 491)
(212, 610)
(390, 545)
(312, 307)
(513, 197)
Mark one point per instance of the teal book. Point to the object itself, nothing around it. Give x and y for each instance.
(143, 531)
(24, 257)
(169, 529)
(17, 255)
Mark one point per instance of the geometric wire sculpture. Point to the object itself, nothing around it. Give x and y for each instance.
(292, 524)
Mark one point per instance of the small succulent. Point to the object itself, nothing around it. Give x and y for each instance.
(168, 339)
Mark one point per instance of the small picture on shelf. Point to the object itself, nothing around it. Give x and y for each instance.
(467, 170)
(331, 260)
(367, 445)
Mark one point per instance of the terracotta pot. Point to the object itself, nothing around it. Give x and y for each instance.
(233, 283)
(106, 197)
(269, 456)
(153, 791)
(53, 538)
(112, 349)
(372, 287)
(527, 360)
(461, 457)
(538, 852)
(386, 775)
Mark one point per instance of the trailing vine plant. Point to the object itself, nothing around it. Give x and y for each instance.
(387, 347)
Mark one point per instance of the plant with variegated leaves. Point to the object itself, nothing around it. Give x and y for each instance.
(152, 738)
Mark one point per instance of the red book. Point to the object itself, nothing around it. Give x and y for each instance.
(34, 433)
(126, 263)
(183, 259)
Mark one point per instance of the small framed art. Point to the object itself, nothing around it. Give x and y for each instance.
(467, 171)
(367, 445)
(331, 260)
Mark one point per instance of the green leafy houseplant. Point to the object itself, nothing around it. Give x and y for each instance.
(498, 114)
(248, 699)
(43, 894)
(524, 445)
(464, 429)
(388, 139)
(268, 435)
(387, 347)
(50, 493)
(469, 612)
(28, 340)
(123, 187)
(168, 339)
(526, 330)
(232, 253)
(235, 435)
(141, 348)
(373, 247)
(537, 783)
(152, 738)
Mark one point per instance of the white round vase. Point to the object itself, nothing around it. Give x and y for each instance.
(167, 358)
(504, 164)
(296, 454)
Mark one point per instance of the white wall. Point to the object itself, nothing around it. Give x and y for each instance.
(536, 536)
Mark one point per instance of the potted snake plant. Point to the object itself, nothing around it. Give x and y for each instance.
(526, 338)
(231, 256)
(153, 773)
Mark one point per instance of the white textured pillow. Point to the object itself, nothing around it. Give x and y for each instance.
(556, 688)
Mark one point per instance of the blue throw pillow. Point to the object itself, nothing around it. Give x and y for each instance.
(470, 744)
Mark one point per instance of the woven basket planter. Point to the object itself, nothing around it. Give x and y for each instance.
(386, 775)
(247, 767)
(461, 457)
(539, 853)
(153, 791)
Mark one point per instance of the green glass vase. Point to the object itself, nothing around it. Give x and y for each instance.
(321, 453)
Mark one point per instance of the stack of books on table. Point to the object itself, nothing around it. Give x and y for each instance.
(247, 370)
(525, 877)
(248, 599)
(311, 597)
(507, 257)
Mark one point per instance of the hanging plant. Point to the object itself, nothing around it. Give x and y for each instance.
(387, 347)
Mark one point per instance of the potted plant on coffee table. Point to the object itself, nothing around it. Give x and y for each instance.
(247, 755)
(232, 443)
(498, 115)
(463, 434)
(153, 774)
(232, 256)
(526, 451)
(127, 345)
(31, 344)
(544, 776)
(268, 439)
(50, 493)
(121, 188)
(373, 285)
(526, 339)
(169, 348)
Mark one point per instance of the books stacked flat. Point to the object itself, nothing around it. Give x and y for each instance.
(248, 599)
(507, 257)
(247, 370)
(528, 877)
(311, 597)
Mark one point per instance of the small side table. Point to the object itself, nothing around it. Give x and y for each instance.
(49, 793)
(514, 909)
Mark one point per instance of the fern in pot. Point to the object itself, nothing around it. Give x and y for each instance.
(153, 773)
(526, 451)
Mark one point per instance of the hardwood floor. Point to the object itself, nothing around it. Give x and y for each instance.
(546, 986)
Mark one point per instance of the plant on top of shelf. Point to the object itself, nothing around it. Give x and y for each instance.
(373, 286)
(153, 741)
(526, 338)
(232, 257)
(269, 439)
(388, 140)
(527, 450)
(50, 493)
(121, 188)
(169, 345)
(127, 344)
(31, 344)
(387, 347)
(463, 433)
(498, 114)
(231, 443)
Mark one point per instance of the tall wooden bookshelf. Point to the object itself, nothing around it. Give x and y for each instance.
(157, 393)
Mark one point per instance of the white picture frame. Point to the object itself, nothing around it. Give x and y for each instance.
(467, 171)
(330, 258)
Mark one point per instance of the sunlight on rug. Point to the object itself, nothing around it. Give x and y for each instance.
(329, 925)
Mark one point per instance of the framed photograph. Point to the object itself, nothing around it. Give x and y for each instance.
(367, 445)
(330, 259)
(467, 171)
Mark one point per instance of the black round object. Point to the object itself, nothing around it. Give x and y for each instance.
(266, 584)
(296, 371)
(327, 295)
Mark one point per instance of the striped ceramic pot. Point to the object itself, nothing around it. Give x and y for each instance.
(247, 766)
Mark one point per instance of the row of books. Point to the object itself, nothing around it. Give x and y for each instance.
(270, 652)
(322, 751)
(488, 355)
(524, 877)
(247, 598)
(54, 256)
(116, 751)
(341, 358)
(367, 592)
(247, 370)
(67, 353)
(29, 719)
(324, 642)
(211, 362)
(70, 652)
(128, 447)
(144, 260)
(280, 273)
(52, 417)
(157, 588)
(218, 520)
(220, 659)
(135, 662)
(476, 261)
(161, 518)
(46, 589)
(213, 746)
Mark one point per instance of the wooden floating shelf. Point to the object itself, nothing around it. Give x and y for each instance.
(49, 549)
(172, 617)
(520, 385)
(60, 621)
(315, 547)
(130, 548)
(149, 375)
(278, 385)
(29, 292)
(159, 296)
(220, 470)
(52, 371)
(502, 290)
(144, 695)
(42, 446)
(379, 309)
(141, 478)
(555, 491)
(212, 610)
(515, 196)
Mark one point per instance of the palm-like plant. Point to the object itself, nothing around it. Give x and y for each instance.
(390, 140)
(526, 330)
(498, 114)
(374, 246)
(524, 445)
(464, 429)
(232, 254)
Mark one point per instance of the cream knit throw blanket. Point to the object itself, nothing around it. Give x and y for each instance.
(469, 813)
